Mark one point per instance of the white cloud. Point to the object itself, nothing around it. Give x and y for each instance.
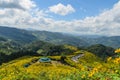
(106, 23)
(17, 4)
(62, 9)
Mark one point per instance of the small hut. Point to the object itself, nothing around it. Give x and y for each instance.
(45, 59)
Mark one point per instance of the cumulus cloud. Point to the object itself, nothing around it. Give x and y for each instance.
(17, 4)
(106, 23)
(62, 9)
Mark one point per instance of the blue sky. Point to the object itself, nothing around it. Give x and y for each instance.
(93, 17)
(83, 8)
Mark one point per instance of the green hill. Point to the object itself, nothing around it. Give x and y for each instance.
(9, 51)
(101, 50)
(88, 67)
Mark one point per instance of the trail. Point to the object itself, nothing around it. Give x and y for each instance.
(75, 58)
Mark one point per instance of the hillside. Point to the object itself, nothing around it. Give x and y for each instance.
(101, 50)
(18, 35)
(37, 48)
(2, 39)
(8, 46)
(88, 67)
(59, 38)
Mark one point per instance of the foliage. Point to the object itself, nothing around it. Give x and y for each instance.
(101, 51)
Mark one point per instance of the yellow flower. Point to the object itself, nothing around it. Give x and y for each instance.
(117, 50)
(109, 58)
(117, 60)
(83, 76)
(91, 74)
(116, 71)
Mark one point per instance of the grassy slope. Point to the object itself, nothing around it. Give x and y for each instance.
(89, 67)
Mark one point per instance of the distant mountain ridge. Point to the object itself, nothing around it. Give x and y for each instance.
(16, 34)
(27, 36)
(59, 38)
(113, 41)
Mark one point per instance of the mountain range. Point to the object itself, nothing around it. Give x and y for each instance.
(27, 36)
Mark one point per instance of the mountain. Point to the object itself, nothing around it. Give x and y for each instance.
(2, 39)
(86, 35)
(113, 41)
(59, 38)
(19, 35)
(27, 36)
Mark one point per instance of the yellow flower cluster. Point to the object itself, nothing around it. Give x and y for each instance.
(117, 50)
(117, 60)
(95, 70)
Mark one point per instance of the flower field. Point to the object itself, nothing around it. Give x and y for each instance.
(89, 67)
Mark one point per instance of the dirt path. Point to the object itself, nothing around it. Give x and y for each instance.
(75, 58)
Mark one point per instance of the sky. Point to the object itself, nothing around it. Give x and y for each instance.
(90, 17)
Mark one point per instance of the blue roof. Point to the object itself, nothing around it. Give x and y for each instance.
(44, 59)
